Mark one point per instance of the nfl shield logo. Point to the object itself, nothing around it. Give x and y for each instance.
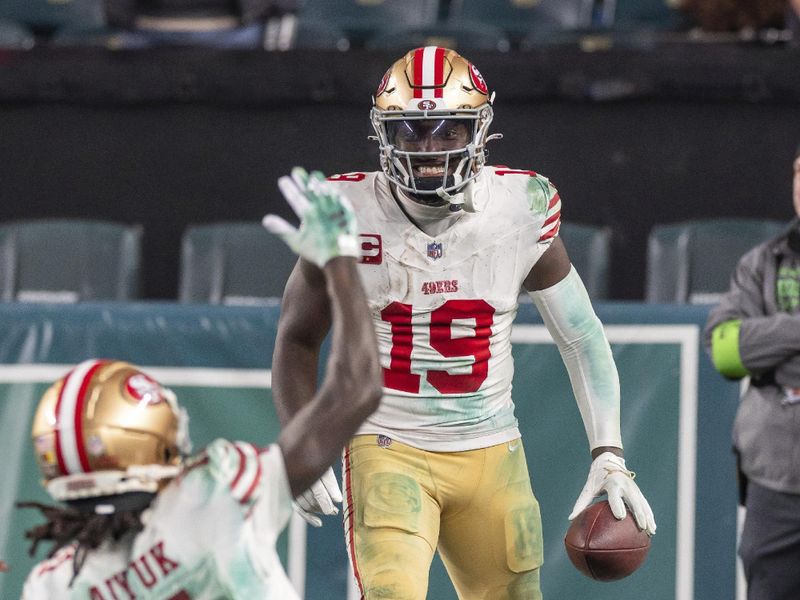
(434, 250)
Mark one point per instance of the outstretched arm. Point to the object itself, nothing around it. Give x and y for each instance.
(564, 304)
(566, 309)
(313, 439)
(304, 322)
(324, 289)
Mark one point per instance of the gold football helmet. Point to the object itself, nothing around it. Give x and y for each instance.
(443, 89)
(106, 428)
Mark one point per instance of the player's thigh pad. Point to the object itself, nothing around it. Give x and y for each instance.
(391, 522)
(492, 546)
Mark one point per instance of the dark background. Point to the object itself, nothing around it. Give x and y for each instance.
(169, 137)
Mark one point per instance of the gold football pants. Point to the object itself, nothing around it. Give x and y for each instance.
(477, 507)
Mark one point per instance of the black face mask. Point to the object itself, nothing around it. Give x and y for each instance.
(431, 184)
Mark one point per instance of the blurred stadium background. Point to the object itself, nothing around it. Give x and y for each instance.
(137, 157)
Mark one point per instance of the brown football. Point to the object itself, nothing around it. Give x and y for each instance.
(604, 548)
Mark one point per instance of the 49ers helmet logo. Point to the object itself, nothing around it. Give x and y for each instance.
(383, 83)
(426, 105)
(144, 389)
(478, 80)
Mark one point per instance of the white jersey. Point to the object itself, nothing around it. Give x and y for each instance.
(209, 534)
(443, 306)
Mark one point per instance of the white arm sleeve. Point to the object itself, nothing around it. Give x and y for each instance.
(568, 314)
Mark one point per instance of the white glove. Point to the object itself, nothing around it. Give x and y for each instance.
(319, 498)
(327, 223)
(608, 474)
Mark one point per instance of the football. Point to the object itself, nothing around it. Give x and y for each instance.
(604, 548)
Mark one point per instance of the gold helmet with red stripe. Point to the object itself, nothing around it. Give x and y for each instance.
(107, 428)
(433, 84)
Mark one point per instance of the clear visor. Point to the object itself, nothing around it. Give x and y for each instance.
(429, 135)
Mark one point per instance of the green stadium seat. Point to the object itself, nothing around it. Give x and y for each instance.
(361, 19)
(642, 14)
(692, 262)
(290, 33)
(589, 249)
(48, 16)
(15, 36)
(520, 18)
(101, 37)
(234, 263)
(69, 260)
(461, 37)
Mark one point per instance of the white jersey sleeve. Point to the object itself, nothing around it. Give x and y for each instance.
(209, 534)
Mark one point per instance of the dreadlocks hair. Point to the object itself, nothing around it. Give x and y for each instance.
(88, 530)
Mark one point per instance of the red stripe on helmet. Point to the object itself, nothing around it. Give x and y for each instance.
(62, 466)
(438, 72)
(418, 61)
(78, 417)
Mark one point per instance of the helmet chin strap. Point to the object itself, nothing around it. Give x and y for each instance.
(460, 201)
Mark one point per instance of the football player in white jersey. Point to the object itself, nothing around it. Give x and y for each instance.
(447, 243)
(142, 519)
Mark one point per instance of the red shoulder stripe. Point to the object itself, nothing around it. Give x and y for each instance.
(551, 233)
(242, 464)
(246, 498)
(551, 219)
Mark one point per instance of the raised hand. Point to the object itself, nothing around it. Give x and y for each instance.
(327, 223)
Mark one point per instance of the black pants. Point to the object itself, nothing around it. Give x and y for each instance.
(770, 546)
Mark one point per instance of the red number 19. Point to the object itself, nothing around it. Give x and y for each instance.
(399, 376)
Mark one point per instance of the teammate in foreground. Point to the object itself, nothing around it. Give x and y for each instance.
(143, 520)
(446, 245)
